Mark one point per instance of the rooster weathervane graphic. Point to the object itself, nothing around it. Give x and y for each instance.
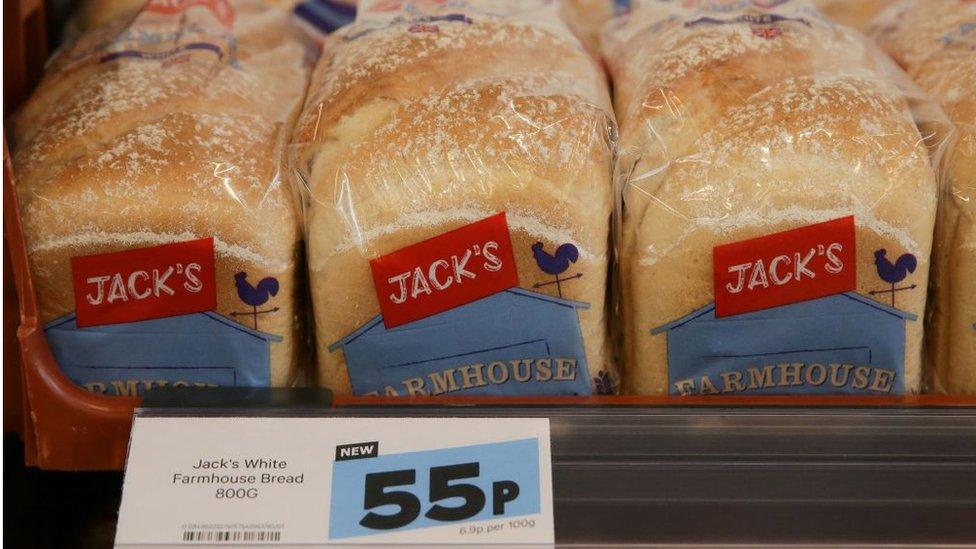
(893, 273)
(255, 296)
(556, 264)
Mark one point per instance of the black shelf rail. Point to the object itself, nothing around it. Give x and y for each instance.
(638, 475)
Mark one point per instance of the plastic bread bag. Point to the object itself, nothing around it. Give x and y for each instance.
(90, 15)
(163, 246)
(778, 203)
(853, 13)
(325, 16)
(455, 165)
(935, 41)
(586, 18)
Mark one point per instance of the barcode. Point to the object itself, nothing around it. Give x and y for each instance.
(231, 535)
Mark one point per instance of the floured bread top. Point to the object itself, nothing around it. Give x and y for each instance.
(738, 114)
(935, 41)
(165, 126)
(449, 108)
(918, 31)
(731, 52)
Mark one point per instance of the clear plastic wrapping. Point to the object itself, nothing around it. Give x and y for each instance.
(164, 248)
(586, 18)
(94, 14)
(425, 118)
(935, 41)
(751, 133)
(853, 13)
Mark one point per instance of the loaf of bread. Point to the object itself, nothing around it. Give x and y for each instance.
(163, 132)
(935, 41)
(739, 121)
(425, 117)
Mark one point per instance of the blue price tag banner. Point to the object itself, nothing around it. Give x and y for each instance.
(435, 488)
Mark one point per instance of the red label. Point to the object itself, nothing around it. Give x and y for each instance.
(220, 8)
(133, 285)
(788, 267)
(445, 272)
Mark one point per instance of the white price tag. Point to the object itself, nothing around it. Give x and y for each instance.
(325, 481)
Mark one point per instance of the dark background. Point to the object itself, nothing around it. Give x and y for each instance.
(44, 509)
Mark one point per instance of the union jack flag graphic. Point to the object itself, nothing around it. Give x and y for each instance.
(767, 32)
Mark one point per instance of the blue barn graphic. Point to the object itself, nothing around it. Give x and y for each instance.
(197, 348)
(845, 328)
(512, 325)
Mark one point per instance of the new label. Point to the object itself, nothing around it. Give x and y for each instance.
(444, 272)
(145, 283)
(788, 267)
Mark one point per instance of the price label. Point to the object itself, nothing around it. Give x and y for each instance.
(326, 481)
(483, 482)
